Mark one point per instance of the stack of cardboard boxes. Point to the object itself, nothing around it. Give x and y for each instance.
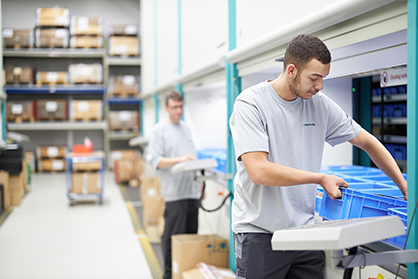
(86, 32)
(52, 27)
(17, 38)
(123, 86)
(51, 110)
(124, 40)
(20, 111)
(20, 75)
(85, 73)
(124, 120)
(153, 208)
(86, 177)
(127, 167)
(51, 158)
(86, 110)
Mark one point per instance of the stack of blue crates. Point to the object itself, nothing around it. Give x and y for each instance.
(370, 193)
(219, 154)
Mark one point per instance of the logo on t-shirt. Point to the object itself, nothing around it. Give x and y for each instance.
(308, 124)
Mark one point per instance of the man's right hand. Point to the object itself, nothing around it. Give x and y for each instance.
(332, 184)
(187, 157)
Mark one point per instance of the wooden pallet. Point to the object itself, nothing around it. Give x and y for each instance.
(124, 55)
(40, 83)
(20, 119)
(51, 118)
(84, 82)
(86, 47)
(86, 118)
(121, 130)
(123, 94)
(17, 46)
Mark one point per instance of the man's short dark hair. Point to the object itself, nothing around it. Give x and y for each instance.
(173, 95)
(304, 48)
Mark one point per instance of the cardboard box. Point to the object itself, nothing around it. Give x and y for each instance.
(51, 152)
(85, 183)
(54, 165)
(17, 38)
(86, 110)
(20, 75)
(190, 249)
(150, 186)
(121, 154)
(123, 46)
(88, 166)
(127, 85)
(53, 17)
(16, 187)
(124, 29)
(153, 209)
(86, 42)
(4, 180)
(124, 120)
(128, 169)
(195, 273)
(52, 110)
(85, 73)
(83, 25)
(51, 78)
(52, 38)
(30, 159)
(18, 111)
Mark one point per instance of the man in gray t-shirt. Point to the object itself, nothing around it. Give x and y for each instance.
(171, 143)
(279, 128)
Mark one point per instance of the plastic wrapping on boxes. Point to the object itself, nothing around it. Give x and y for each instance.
(123, 120)
(85, 73)
(83, 25)
(18, 111)
(51, 38)
(18, 38)
(54, 16)
(52, 110)
(127, 85)
(86, 110)
(124, 30)
(20, 75)
(51, 165)
(123, 46)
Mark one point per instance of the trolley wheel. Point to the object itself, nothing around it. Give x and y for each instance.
(72, 202)
(100, 201)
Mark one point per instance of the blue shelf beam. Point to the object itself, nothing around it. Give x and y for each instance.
(124, 101)
(57, 89)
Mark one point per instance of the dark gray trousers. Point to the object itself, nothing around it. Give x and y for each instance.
(255, 259)
(180, 217)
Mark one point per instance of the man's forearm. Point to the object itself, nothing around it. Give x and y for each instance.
(168, 162)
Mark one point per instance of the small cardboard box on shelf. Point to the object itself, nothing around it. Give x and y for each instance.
(86, 110)
(123, 46)
(51, 38)
(83, 25)
(18, 38)
(54, 16)
(52, 110)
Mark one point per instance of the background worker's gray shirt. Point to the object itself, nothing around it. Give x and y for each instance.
(171, 140)
(293, 134)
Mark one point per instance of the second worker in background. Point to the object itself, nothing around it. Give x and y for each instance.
(171, 143)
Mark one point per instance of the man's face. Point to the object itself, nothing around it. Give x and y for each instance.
(175, 110)
(309, 81)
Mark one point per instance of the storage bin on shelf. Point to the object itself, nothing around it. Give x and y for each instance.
(85, 176)
(219, 154)
(318, 199)
(401, 212)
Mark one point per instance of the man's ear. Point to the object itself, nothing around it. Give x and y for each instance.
(291, 71)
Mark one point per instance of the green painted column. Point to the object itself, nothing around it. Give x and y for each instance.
(233, 88)
(412, 132)
(179, 87)
(156, 107)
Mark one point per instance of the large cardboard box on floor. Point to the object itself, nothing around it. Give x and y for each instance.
(190, 249)
(195, 273)
(153, 217)
(4, 180)
(116, 155)
(150, 186)
(127, 170)
(16, 186)
(85, 183)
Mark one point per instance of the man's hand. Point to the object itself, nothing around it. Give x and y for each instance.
(331, 185)
(187, 157)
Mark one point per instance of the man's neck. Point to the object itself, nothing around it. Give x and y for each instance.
(281, 87)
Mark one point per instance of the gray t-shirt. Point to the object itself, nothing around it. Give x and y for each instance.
(293, 134)
(171, 140)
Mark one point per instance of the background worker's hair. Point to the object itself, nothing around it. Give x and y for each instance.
(173, 95)
(304, 48)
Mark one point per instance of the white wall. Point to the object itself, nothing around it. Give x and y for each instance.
(256, 19)
(148, 116)
(147, 46)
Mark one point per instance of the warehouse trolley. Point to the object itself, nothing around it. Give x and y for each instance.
(85, 176)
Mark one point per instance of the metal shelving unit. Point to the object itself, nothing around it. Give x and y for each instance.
(123, 61)
(62, 126)
(390, 120)
(389, 98)
(124, 101)
(54, 53)
(57, 89)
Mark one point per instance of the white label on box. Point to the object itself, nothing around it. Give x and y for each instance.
(7, 33)
(17, 71)
(51, 106)
(175, 267)
(60, 33)
(151, 192)
(52, 151)
(60, 20)
(128, 80)
(52, 77)
(124, 116)
(83, 23)
(17, 108)
(131, 29)
(116, 155)
(57, 165)
(121, 49)
(83, 106)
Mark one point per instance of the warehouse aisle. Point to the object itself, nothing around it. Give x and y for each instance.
(46, 238)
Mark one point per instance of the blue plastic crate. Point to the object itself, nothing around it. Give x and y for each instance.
(401, 212)
(356, 173)
(370, 202)
(318, 199)
(343, 168)
(219, 154)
